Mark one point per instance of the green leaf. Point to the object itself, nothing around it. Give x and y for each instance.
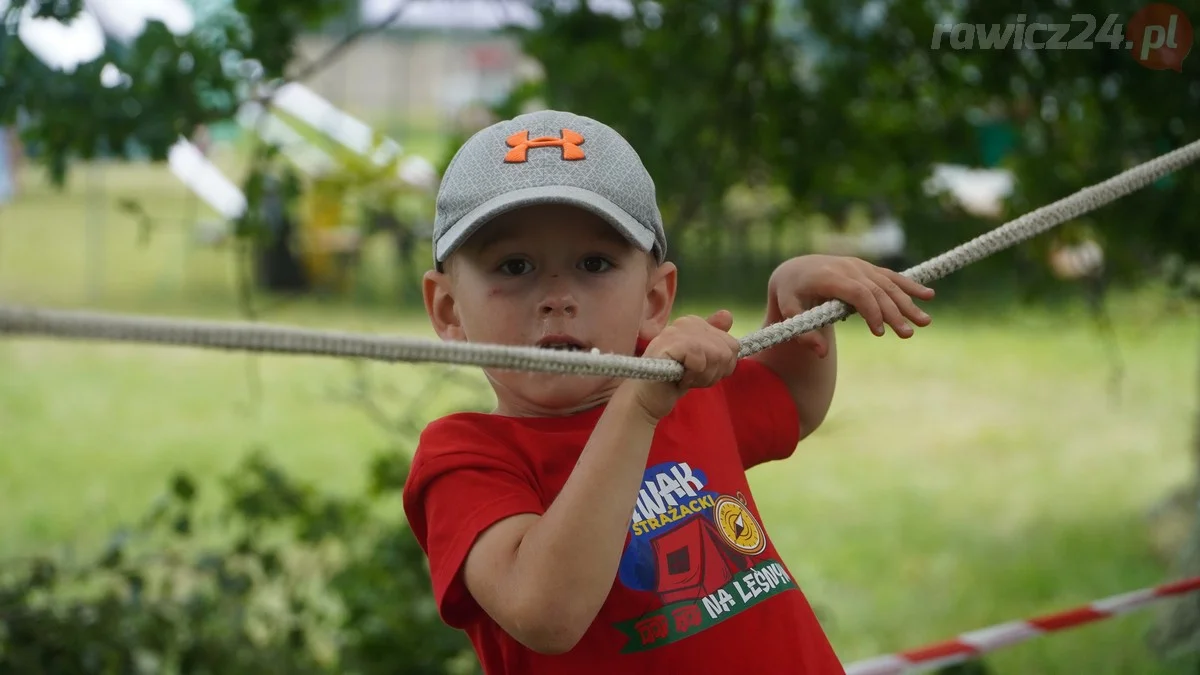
(183, 487)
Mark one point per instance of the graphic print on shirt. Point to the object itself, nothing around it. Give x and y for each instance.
(698, 551)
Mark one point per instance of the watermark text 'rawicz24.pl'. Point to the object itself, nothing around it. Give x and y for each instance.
(1159, 36)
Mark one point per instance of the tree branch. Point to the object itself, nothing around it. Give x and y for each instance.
(334, 53)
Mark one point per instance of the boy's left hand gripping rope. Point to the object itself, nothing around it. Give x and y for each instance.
(289, 340)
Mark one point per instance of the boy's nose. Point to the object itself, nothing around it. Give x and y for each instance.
(559, 304)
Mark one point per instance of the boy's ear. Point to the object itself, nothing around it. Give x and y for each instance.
(440, 306)
(660, 300)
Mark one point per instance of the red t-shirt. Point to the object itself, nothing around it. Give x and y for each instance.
(700, 587)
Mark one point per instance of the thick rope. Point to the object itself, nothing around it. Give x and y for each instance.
(1005, 236)
(292, 340)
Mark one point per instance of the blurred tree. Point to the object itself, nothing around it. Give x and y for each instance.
(142, 96)
(1078, 116)
(696, 86)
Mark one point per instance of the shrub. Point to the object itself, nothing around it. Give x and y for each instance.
(283, 579)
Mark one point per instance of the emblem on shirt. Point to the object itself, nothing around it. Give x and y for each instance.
(697, 550)
(737, 525)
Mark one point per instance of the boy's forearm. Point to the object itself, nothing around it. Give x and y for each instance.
(570, 556)
(809, 378)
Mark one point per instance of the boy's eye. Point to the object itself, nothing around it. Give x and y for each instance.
(516, 267)
(595, 264)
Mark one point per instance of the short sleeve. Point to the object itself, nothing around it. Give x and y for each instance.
(764, 417)
(461, 483)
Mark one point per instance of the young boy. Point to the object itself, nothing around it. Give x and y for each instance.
(599, 525)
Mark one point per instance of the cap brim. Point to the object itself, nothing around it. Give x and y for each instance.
(637, 234)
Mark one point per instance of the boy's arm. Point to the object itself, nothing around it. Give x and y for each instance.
(808, 363)
(543, 579)
(810, 376)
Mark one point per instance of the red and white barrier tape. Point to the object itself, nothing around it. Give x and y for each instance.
(970, 645)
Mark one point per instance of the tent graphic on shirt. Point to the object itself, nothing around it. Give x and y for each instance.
(687, 541)
(701, 554)
(693, 561)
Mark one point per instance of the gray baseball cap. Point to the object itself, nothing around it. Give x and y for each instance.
(547, 157)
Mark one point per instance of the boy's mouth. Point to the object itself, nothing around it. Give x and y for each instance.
(561, 343)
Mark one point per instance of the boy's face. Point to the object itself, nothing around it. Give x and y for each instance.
(556, 277)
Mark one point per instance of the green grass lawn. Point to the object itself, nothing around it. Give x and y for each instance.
(978, 473)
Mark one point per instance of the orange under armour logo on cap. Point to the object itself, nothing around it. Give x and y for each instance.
(520, 144)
